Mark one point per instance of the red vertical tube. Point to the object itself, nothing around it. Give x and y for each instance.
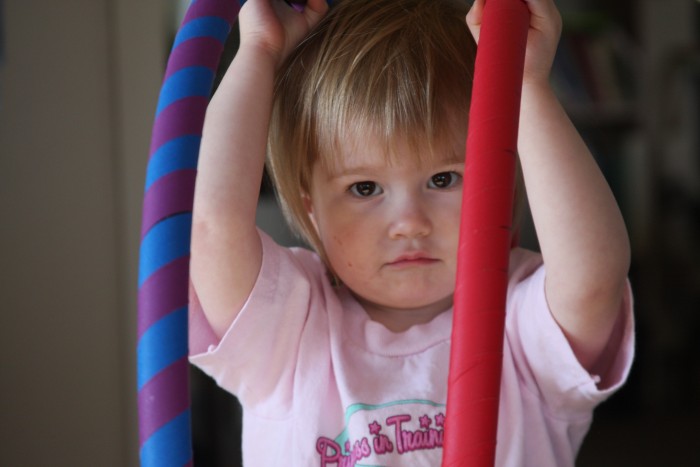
(485, 230)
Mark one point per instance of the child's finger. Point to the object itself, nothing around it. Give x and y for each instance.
(312, 10)
(315, 10)
(544, 15)
(541, 7)
(474, 17)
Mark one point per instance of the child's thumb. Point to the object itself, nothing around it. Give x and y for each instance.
(474, 17)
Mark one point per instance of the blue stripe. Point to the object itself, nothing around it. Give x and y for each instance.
(188, 82)
(170, 446)
(164, 243)
(178, 154)
(164, 343)
(207, 26)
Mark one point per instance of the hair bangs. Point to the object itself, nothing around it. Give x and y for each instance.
(408, 79)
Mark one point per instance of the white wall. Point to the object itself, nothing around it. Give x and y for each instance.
(78, 88)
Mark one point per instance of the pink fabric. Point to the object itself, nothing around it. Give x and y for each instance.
(322, 384)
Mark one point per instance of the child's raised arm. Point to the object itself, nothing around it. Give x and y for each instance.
(226, 249)
(579, 226)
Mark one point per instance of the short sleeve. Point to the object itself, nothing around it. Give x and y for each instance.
(546, 362)
(255, 359)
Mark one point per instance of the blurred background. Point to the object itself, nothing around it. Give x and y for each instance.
(79, 81)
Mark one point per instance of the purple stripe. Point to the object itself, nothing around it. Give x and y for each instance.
(201, 51)
(171, 194)
(163, 398)
(226, 9)
(183, 117)
(165, 291)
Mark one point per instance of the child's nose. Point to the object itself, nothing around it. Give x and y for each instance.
(410, 219)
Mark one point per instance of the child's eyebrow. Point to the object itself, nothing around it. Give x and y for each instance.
(338, 171)
(453, 158)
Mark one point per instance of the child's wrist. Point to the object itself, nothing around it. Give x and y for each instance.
(260, 53)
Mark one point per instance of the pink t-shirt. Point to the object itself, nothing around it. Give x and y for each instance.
(322, 384)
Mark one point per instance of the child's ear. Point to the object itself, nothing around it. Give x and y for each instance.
(309, 206)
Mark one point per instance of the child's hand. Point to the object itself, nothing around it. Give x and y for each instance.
(275, 28)
(542, 38)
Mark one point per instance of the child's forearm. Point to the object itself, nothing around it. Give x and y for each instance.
(234, 139)
(226, 251)
(579, 226)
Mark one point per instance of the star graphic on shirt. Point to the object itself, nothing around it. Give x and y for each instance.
(440, 419)
(425, 421)
(374, 428)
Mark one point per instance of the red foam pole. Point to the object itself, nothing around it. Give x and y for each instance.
(485, 230)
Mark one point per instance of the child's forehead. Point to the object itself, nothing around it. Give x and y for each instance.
(356, 152)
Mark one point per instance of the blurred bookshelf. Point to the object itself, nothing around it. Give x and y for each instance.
(595, 72)
(628, 74)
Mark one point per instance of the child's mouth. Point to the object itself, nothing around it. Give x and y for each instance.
(412, 259)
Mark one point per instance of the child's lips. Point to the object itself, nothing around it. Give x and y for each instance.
(412, 259)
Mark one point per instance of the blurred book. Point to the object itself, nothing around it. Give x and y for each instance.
(595, 71)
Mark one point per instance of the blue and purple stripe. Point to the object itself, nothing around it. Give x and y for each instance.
(163, 386)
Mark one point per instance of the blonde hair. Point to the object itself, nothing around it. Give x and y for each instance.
(390, 68)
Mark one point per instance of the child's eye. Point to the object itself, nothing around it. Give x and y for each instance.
(365, 189)
(444, 180)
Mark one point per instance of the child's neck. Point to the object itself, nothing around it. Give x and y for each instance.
(401, 319)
